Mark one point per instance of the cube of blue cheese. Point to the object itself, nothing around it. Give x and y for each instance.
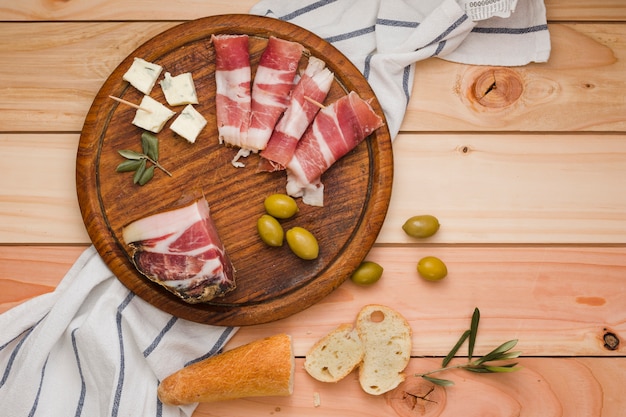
(179, 90)
(189, 123)
(155, 118)
(143, 75)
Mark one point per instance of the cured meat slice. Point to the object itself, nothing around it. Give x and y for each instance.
(232, 88)
(336, 130)
(273, 82)
(314, 85)
(182, 251)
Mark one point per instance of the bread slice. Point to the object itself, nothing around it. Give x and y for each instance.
(386, 337)
(334, 356)
(260, 368)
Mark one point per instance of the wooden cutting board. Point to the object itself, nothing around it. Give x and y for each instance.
(272, 283)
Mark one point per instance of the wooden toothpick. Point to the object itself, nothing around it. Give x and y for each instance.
(128, 103)
(317, 103)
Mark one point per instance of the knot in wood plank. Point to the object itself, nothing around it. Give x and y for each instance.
(611, 341)
(495, 88)
(416, 397)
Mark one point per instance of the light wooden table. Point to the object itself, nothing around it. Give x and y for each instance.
(531, 197)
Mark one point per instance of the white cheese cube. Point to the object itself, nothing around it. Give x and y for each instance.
(155, 119)
(179, 90)
(142, 75)
(189, 123)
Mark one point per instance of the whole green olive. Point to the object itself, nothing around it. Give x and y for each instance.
(270, 230)
(432, 269)
(302, 243)
(421, 226)
(280, 206)
(367, 273)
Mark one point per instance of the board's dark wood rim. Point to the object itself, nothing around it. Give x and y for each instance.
(337, 271)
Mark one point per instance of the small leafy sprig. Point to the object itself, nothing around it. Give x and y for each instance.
(138, 162)
(478, 365)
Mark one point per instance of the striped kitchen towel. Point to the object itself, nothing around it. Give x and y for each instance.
(92, 348)
(385, 38)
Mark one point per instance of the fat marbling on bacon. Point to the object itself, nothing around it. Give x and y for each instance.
(271, 89)
(313, 86)
(335, 131)
(232, 82)
(181, 250)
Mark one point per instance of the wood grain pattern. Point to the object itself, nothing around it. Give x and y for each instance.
(357, 188)
(549, 188)
(33, 10)
(573, 91)
(559, 301)
(544, 387)
(587, 64)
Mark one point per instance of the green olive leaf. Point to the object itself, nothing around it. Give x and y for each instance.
(128, 154)
(139, 172)
(438, 381)
(150, 145)
(503, 369)
(477, 369)
(455, 349)
(128, 166)
(147, 175)
(497, 353)
(473, 333)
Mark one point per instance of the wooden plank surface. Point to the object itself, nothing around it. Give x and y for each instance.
(34, 10)
(590, 60)
(544, 387)
(548, 188)
(558, 301)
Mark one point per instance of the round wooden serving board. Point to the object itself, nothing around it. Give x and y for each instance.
(272, 283)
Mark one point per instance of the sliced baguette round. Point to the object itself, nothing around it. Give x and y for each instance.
(260, 368)
(334, 356)
(386, 337)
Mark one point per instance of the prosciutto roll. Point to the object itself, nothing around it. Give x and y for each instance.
(232, 80)
(335, 131)
(273, 82)
(314, 84)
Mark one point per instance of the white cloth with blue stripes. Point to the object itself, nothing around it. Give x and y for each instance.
(92, 348)
(385, 38)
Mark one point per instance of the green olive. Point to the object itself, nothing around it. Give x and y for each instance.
(280, 206)
(421, 226)
(302, 243)
(270, 231)
(367, 273)
(432, 269)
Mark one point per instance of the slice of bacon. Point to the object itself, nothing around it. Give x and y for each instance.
(232, 83)
(312, 87)
(335, 131)
(273, 82)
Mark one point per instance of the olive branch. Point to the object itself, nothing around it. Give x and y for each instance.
(478, 365)
(137, 161)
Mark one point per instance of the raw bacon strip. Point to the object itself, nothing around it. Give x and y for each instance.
(273, 82)
(182, 251)
(314, 84)
(336, 130)
(232, 82)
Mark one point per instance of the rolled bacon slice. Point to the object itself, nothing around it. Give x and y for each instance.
(182, 251)
(273, 82)
(232, 82)
(335, 131)
(313, 86)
